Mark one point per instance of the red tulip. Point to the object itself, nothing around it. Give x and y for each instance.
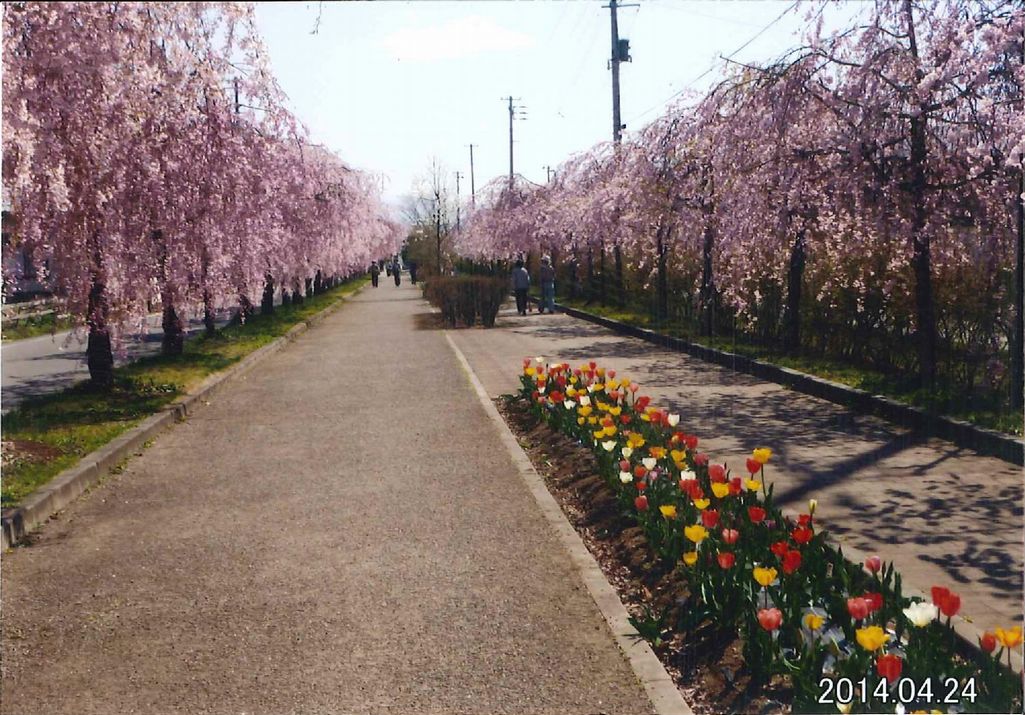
(692, 443)
(709, 517)
(791, 562)
(988, 642)
(641, 485)
(873, 564)
(610, 373)
(578, 372)
(642, 402)
(615, 395)
(735, 486)
(804, 519)
(858, 608)
(726, 559)
(624, 418)
(770, 618)
(946, 600)
(624, 465)
(593, 365)
(875, 601)
(753, 466)
(717, 473)
(889, 666)
(557, 396)
(780, 548)
(730, 536)
(535, 395)
(641, 503)
(802, 535)
(701, 459)
(687, 486)
(756, 514)
(640, 471)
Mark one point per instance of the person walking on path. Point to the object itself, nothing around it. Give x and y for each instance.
(412, 271)
(547, 285)
(375, 273)
(520, 284)
(396, 271)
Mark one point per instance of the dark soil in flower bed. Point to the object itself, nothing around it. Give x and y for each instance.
(705, 662)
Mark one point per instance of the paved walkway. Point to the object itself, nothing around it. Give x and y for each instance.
(944, 515)
(341, 531)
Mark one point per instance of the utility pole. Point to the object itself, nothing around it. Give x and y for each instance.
(550, 173)
(473, 187)
(514, 111)
(236, 96)
(620, 53)
(458, 176)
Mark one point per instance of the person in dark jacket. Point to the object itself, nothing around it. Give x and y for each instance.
(547, 286)
(396, 271)
(520, 284)
(375, 273)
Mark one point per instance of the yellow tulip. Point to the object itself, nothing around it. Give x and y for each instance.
(585, 410)
(702, 503)
(720, 490)
(1010, 638)
(599, 434)
(813, 621)
(690, 558)
(613, 384)
(678, 455)
(762, 454)
(580, 420)
(611, 430)
(646, 418)
(571, 392)
(754, 485)
(764, 576)
(872, 638)
(668, 511)
(615, 411)
(573, 380)
(598, 387)
(695, 533)
(625, 382)
(600, 372)
(657, 452)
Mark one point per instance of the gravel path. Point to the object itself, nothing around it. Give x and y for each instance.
(341, 531)
(944, 515)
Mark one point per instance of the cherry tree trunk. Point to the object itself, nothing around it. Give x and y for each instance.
(309, 288)
(1018, 331)
(99, 355)
(590, 274)
(209, 324)
(795, 277)
(620, 283)
(267, 302)
(707, 294)
(662, 280)
(602, 282)
(173, 342)
(245, 307)
(286, 297)
(318, 283)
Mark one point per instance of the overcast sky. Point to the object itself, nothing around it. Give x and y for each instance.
(388, 85)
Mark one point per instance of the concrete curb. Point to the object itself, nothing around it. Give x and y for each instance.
(961, 433)
(658, 685)
(67, 486)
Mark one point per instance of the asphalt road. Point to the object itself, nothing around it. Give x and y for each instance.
(48, 363)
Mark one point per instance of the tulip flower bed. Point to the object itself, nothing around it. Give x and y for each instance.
(727, 566)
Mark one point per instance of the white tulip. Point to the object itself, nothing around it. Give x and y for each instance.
(609, 445)
(626, 477)
(688, 474)
(539, 360)
(627, 451)
(585, 401)
(673, 420)
(570, 404)
(649, 463)
(921, 613)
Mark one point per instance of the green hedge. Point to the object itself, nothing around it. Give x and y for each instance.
(467, 299)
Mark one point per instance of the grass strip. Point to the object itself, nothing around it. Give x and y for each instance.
(34, 327)
(983, 411)
(47, 434)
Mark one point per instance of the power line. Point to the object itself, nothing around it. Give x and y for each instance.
(715, 64)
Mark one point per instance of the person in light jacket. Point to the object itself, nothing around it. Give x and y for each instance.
(520, 284)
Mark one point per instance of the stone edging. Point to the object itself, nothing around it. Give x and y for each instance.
(961, 433)
(67, 486)
(665, 697)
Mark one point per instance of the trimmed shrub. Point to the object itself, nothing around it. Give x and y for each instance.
(465, 298)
